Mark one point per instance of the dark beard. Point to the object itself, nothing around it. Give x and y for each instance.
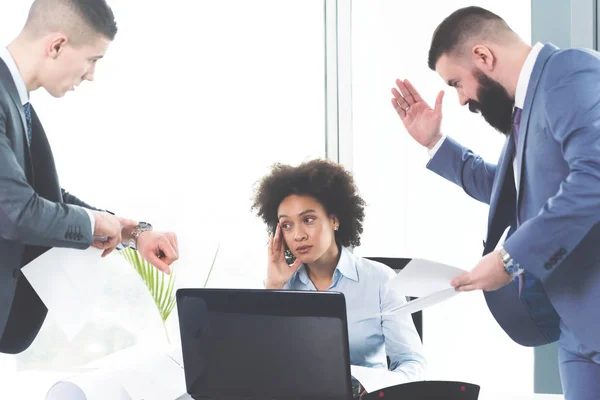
(495, 105)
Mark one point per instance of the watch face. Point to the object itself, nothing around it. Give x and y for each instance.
(513, 268)
(145, 225)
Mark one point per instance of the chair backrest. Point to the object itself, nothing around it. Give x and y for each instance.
(397, 264)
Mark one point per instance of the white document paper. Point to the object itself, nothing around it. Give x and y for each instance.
(137, 373)
(373, 379)
(427, 280)
(155, 375)
(99, 384)
(69, 282)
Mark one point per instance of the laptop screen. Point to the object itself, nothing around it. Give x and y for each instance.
(260, 344)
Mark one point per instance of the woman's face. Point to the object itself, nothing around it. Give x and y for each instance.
(307, 229)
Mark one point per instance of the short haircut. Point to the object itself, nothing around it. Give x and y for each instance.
(327, 182)
(80, 20)
(463, 26)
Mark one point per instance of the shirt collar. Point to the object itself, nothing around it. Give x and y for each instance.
(16, 75)
(346, 266)
(525, 75)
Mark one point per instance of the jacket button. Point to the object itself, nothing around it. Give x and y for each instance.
(548, 266)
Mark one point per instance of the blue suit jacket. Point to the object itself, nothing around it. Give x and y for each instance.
(558, 202)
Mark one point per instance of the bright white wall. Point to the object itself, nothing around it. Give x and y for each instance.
(413, 212)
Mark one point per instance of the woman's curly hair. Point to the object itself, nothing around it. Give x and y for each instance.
(329, 183)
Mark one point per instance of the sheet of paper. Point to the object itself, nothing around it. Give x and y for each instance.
(30, 384)
(427, 280)
(156, 375)
(423, 302)
(69, 282)
(373, 379)
(142, 372)
(147, 371)
(421, 278)
(99, 384)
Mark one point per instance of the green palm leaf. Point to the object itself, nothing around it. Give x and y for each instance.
(161, 288)
(212, 265)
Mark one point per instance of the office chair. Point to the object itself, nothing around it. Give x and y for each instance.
(397, 264)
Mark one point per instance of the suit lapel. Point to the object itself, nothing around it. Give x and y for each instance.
(44, 169)
(11, 88)
(9, 83)
(543, 57)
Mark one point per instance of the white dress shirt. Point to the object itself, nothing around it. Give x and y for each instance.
(371, 335)
(24, 96)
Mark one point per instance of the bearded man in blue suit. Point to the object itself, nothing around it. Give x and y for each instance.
(542, 284)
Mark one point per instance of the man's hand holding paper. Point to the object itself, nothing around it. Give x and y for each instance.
(489, 274)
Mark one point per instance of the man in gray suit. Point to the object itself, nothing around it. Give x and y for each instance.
(57, 49)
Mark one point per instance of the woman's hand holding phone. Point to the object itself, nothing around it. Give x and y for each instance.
(278, 270)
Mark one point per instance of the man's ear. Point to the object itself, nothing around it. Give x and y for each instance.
(483, 57)
(56, 46)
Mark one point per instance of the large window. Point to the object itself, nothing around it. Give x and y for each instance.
(411, 211)
(192, 104)
(196, 99)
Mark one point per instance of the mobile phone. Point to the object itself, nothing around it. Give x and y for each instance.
(289, 256)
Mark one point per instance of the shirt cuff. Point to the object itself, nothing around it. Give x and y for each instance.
(436, 147)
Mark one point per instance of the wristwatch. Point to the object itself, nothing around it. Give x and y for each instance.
(510, 266)
(137, 231)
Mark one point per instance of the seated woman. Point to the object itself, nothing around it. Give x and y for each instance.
(313, 212)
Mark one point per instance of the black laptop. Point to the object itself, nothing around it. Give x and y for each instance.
(241, 344)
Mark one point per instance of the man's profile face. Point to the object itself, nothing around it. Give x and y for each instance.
(68, 65)
(480, 92)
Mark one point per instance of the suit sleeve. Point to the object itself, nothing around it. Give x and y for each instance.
(26, 217)
(71, 199)
(467, 170)
(573, 116)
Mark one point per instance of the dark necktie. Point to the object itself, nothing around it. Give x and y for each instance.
(516, 122)
(27, 108)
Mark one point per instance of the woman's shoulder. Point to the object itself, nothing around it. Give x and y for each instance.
(373, 269)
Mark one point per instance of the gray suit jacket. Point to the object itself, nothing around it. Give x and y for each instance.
(35, 215)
